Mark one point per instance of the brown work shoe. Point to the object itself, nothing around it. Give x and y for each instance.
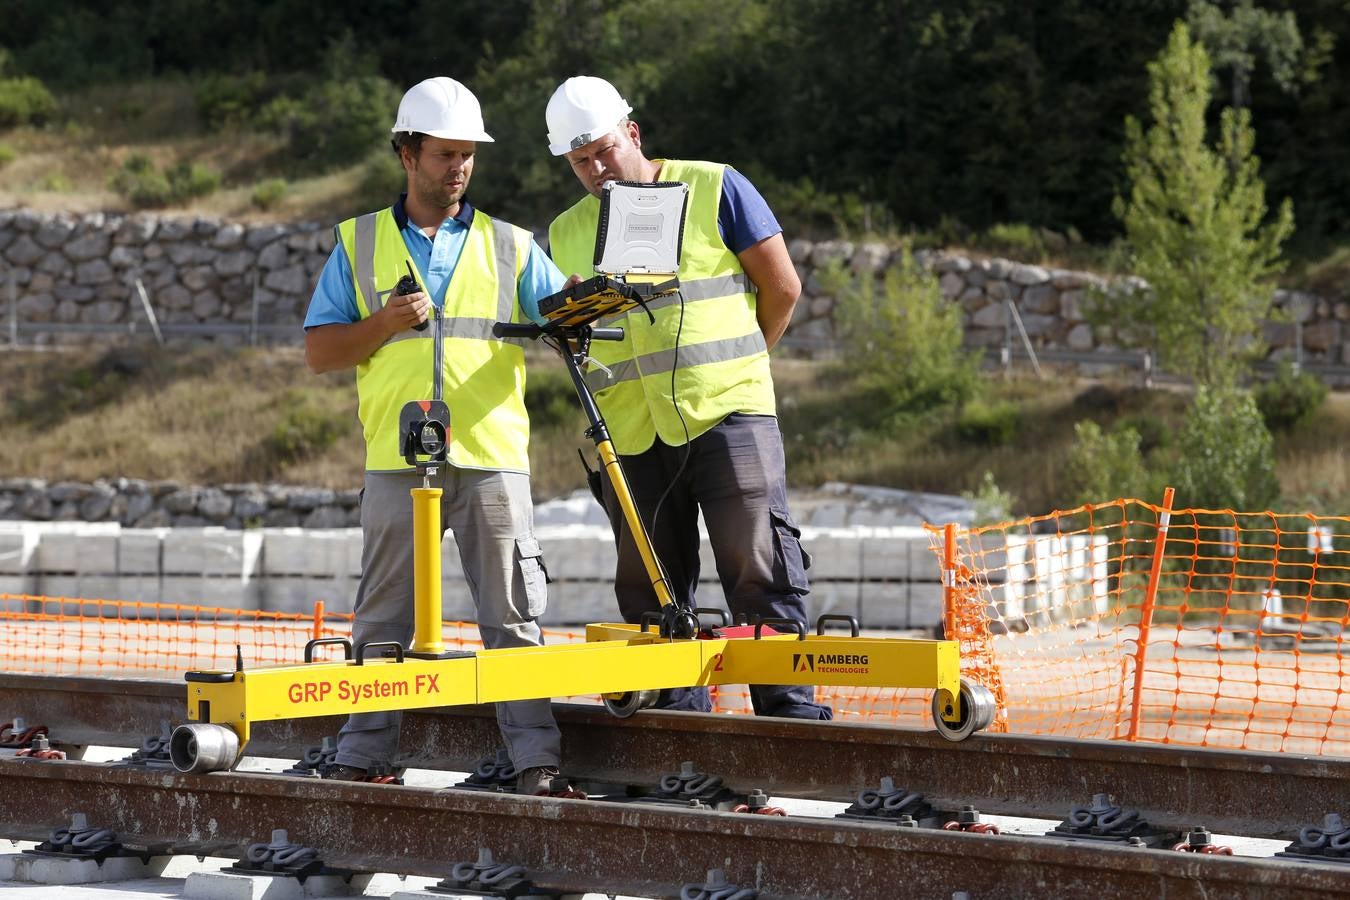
(339, 772)
(536, 780)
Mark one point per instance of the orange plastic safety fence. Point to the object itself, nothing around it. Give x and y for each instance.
(1131, 620)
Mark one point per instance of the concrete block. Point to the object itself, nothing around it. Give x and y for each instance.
(196, 590)
(138, 550)
(229, 886)
(78, 547)
(298, 594)
(32, 869)
(897, 559)
(584, 554)
(833, 557)
(580, 603)
(18, 545)
(322, 551)
(88, 588)
(913, 605)
(213, 551)
(17, 584)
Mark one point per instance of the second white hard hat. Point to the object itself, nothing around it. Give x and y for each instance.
(443, 108)
(582, 109)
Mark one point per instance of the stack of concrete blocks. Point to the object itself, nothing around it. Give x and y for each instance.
(1036, 581)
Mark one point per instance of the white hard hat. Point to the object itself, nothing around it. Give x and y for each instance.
(582, 109)
(443, 108)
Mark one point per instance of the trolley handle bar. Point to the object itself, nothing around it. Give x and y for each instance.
(532, 331)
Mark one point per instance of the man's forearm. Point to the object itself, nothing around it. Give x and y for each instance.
(778, 286)
(329, 348)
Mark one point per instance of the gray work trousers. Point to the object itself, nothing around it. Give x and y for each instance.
(492, 517)
(734, 474)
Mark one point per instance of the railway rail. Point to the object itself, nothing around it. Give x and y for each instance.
(652, 850)
(1231, 791)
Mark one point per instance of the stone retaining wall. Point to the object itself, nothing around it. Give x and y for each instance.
(205, 273)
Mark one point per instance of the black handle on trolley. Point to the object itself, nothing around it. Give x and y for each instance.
(388, 645)
(786, 623)
(516, 329)
(309, 647)
(851, 622)
(531, 331)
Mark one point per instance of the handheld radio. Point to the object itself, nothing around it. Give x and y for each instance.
(408, 285)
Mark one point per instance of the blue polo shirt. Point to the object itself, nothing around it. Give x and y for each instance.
(334, 298)
(743, 216)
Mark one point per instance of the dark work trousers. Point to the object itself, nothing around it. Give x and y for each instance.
(735, 474)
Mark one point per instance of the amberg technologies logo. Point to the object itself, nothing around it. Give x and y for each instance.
(832, 663)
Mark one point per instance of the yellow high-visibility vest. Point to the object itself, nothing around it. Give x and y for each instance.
(483, 377)
(721, 364)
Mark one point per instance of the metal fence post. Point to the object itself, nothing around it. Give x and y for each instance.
(149, 311)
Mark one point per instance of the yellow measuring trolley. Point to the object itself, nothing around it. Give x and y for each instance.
(627, 665)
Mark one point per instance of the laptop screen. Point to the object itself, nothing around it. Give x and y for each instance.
(641, 227)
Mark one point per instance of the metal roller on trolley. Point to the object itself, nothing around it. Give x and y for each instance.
(679, 646)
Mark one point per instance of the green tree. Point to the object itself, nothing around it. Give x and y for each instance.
(904, 337)
(1233, 41)
(1226, 457)
(1193, 219)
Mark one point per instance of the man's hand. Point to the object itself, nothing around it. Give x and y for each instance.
(329, 348)
(403, 312)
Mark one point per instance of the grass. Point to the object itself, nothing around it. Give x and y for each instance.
(205, 415)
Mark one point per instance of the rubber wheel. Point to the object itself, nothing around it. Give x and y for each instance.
(977, 712)
(629, 702)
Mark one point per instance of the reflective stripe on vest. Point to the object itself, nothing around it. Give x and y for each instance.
(722, 363)
(483, 377)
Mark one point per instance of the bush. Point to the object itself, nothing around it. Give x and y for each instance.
(145, 187)
(990, 424)
(229, 101)
(269, 193)
(25, 101)
(1289, 398)
(336, 121)
(56, 182)
(305, 429)
(1226, 456)
(904, 340)
(7, 155)
(189, 180)
(551, 400)
(1016, 240)
(382, 178)
(1102, 466)
(992, 503)
(140, 183)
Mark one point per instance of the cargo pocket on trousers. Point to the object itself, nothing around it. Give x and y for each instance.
(534, 574)
(790, 558)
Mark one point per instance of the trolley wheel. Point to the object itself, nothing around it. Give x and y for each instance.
(977, 712)
(203, 748)
(629, 702)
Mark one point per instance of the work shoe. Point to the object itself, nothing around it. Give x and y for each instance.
(537, 780)
(339, 772)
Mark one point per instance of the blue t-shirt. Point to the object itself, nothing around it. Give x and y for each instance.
(334, 298)
(743, 217)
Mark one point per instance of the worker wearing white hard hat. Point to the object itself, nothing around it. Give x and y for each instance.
(471, 270)
(689, 399)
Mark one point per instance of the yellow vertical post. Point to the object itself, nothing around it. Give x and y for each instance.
(426, 503)
(318, 619)
(1146, 614)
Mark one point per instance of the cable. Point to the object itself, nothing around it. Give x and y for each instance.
(674, 402)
